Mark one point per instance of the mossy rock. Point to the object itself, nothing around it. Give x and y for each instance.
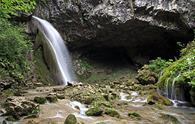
(101, 103)
(134, 115)
(146, 76)
(60, 96)
(71, 119)
(94, 111)
(18, 107)
(156, 98)
(40, 100)
(52, 98)
(170, 119)
(112, 112)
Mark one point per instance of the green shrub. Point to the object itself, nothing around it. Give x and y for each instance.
(12, 7)
(158, 65)
(13, 53)
(183, 69)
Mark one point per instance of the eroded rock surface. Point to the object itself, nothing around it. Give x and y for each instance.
(18, 107)
(153, 24)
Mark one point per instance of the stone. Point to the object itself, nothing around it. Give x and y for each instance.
(155, 98)
(146, 76)
(192, 95)
(2, 111)
(52, 98)
(94, 111)
(112, 112)
(18, 107)
(170, 119)
(40, 100)
(5, 84)
(71, 119)
(134, 115)
(60, 96)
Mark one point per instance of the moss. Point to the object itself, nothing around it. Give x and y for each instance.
(8, 93)
(71, 119)
(94, 111)
(88, 96)
(146, 76)
(40, 100)
(41, 70)
(155, 98)
(134, 115)
(112, 112)
(52, 98)
(170, 119)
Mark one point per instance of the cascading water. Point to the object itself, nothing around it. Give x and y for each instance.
(175, 92)
(56, 51)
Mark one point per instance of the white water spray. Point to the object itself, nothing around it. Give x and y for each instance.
(62, 70)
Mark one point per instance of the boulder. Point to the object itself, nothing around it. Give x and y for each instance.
(52, 98)
(146, 25)
(40, 100)
(112, 112)
(71, 119)
(146, 76)
(5, 84)
(18, 107)
(155, 98)
(94, 111)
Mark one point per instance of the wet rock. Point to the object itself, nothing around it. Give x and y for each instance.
(40, 100)
(146, 76)
(134, 115)
(52, 98)
(60, 96)
(169, 119)
(71, 119)
(2, 111)
(94, 111)
(192, 95)
(18, 107)
(112, 112)
(156, 98)
(5, 84)
(4, 122)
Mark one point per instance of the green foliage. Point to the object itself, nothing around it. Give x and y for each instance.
(12, 7)
(158, 65)
(182, 69)
(13, 52)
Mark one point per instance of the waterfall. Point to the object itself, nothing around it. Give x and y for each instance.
(55, 52)
(174, 91)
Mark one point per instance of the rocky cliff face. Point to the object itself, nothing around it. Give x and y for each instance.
(115, 23)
